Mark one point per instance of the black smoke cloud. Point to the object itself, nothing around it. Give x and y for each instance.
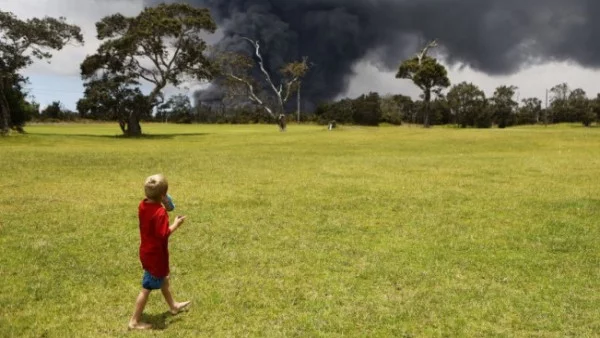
(493, 36)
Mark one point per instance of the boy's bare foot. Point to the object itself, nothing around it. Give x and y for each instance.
(179, 306)
(139, 326)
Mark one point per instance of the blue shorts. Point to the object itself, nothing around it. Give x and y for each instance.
(150, 282)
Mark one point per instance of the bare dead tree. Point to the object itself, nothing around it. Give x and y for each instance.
(236, 68)
(289, 84)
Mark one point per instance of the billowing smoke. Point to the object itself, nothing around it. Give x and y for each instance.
(494, 36)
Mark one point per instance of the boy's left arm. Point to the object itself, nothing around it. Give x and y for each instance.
(162, 227)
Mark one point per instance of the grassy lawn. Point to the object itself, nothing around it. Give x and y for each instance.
(373, 232)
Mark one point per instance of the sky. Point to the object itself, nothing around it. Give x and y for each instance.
(60, 79)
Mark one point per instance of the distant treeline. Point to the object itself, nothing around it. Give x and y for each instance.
(465, 105)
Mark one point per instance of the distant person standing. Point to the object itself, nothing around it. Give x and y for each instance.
(154, 252)
(282, 122)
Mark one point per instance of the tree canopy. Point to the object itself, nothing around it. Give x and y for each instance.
(468, 104)
(504, 107)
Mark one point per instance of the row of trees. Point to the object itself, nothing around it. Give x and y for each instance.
(466, 105)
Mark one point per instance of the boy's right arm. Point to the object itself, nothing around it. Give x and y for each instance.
(177, 223)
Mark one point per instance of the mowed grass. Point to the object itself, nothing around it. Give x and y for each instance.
(372, 232)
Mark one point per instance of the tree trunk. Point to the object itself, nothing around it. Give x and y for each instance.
(426, 110)
(133, 125)
(123, 125)
(4, 111)
(298, 102)
(134, 129)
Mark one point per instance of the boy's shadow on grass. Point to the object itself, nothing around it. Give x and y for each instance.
(160, 321)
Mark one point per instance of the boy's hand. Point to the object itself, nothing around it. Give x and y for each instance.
(179, 219)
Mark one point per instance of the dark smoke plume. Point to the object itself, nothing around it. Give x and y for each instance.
(494, 36)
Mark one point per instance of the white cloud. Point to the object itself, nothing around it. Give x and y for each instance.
(84, 13)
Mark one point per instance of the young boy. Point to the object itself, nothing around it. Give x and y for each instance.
(154, 253)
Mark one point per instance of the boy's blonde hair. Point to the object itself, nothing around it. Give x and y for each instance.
(156, 187)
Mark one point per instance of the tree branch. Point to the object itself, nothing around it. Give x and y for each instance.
(288, 89)
(144, 70)
(262, 68)
(423, 53)
(153, 59)
(251, 95)
(176, 52)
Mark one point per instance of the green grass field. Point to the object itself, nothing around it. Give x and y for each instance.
(372, 232)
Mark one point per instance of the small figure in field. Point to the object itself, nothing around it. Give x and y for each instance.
(332, 125)
(282, 122)
(154, 253)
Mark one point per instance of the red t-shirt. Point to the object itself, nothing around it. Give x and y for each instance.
(154, 234)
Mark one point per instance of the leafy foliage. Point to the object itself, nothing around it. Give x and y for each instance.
(580, 107)
(469, 105)
(21, 110)
(559, 107)
(530, 111)
(503, 106)
(391, 111)
(341, 111)
(367, 110)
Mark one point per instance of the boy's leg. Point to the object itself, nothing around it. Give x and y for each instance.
(166, 291)
(140, 303)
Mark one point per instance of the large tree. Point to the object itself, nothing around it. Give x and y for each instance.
(581, 108)
(391, 110)
(163, 46)
(504, 107)
(427, 74)
(23, 41)
(469, 105)
(530, 111)
(367, 109)
(595, 107)
(559, 106)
